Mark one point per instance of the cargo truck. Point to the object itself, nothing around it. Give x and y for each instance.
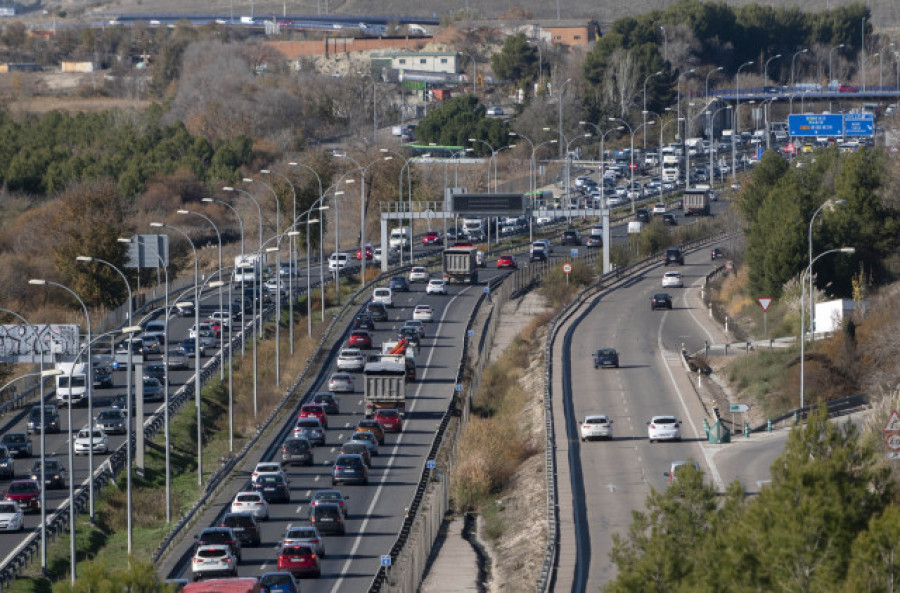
(461, 265)
(384, 385)
(246, 269)
(696, 201)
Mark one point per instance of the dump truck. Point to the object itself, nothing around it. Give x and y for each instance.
(461, 264)
(384, 385)
(696, 201)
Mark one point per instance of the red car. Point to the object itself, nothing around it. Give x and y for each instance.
(370, 251)
(299, 561)
(389, 419)
(26, 493)
(846, 88)
(360, 338)
(431, 238)
(506, 261)
(314, 411)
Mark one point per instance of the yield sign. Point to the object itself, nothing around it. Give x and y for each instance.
(893, 423)
(764, 302)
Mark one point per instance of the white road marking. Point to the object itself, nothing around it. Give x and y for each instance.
(356, 543)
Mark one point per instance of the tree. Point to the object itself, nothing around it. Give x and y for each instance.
(461, 118)
(875, 559)
(516, 61)
(771, 169)
(96, 577)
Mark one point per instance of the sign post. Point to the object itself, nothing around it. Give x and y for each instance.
(737, 409)
(567, 269)
(765, 302)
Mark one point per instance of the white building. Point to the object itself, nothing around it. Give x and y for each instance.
(436, 62)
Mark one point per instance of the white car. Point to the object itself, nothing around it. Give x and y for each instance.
(542, 244)
(213, 560)
(419, 274)
(676, 467)
(267, 467)
(250, 502)
(351, 359)
(223, 317)
(664, 428)
(659, 209)
(86, 437)
(436, 287)
(11, 516)
(672, 280)
(422, 313)
(377, 254)
(305, 535)
(596, 427)
(341, 383)
(495, 111)
(385, 296)
(370, 440)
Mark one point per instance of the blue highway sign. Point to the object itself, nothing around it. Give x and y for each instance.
(815, 124)
(859, 124)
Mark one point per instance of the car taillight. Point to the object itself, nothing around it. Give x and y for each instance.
(653, 426)
(228, 560)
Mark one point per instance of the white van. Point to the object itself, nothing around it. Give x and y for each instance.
(385, 296)
(338, 261)
(399, 238)
(71, 384)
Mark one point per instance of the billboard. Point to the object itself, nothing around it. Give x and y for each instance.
(489, 204)
(148, 251)
(24, 343)
(815, 124)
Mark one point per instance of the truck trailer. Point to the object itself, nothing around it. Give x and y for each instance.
(384, 385)
(461, 265)
(696, 201)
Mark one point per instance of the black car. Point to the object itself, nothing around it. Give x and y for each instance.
(54, 473)
(296, 450)
(155, 371)
(716, 253)
(220, 536)
(18, 444)
(674, 256)
(642, 215)
(244, 526)
(328, 518)
(363, 321)
(328, 402)
(398, 284)
(570, 237)
(669, 219)
(661, 300)
(377, 311)
(453, 233)
(410, 334)
(606, 357)
(51, 419)
(537, 255)
(273, 488)
(103, 376)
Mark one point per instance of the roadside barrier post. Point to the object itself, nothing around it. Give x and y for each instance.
(769, 425)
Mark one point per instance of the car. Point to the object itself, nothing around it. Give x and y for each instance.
(328, 515)
(570, 237)
(341, 383)
(219, 536)
(660, 300)
(328, 401)
(120, 402)
(176, 359)
(152, 344)
(674, 255)
(7, 463)
(26, 493)
(642, 215)
(537, 255)
(431, 238)
(267, 467)
(153, 389)
(419, 274)
(314, 411)
(385, 296)
(357, 448)
(304, 535)
(669, 219)
(279, 582)
(494, 111)
(398, 284)
(606, 357)
(349, 469)
(672, 280)
(377, 311)
(363, 321)
(250, 502)
(506, 261)
(351, 360)
(112, 421)
(310, 429)
(51, 419)
(184, 308)
(417, 325)
(677, 467)
(274, 487)
(155, 370)
(18, 443)
(91, 437)
(368, 439)
(410, 334)
(846, 88)
(716, 253)
(299, 561)
(423, 313)
(596, 427)
(103, 376)
(54, 473)
(664, 428)
(188, 346)
(370, 252)
(213, 560)
(206, 329)
(436, 286)
(244, 526)
(390, 420)
(12, 518)
(360, 338)
(373, 426)
(593, 241)
(542, 244)
(297, 451)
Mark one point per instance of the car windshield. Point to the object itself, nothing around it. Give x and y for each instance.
(14, 438)
(238, 521)
(348, 461)
(248, 498)
(328, 495)
(296, 551)
(276, 579)
(109, 415)
(212, 552)
(52, 466)
(665, 421)
(597, 420)
(296, 446)
(7, 507)
(390, 414)
(23, 487)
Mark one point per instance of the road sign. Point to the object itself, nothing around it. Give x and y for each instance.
(859, 124)
(632, 166)
(489, 204)
(790, 148)
(567, 268)
(893, 423)
(470, 333)
(729, 264)
(430, 464)
(738, 408)
(573, 253)
(386, 560)
(815, 124)
(892, 441)
(764, 302)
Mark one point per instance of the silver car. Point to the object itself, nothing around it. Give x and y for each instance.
(351, 359)
(311, 429)
(341, 383)
(177, 360)
(111, 421)
(91, 437)
(306, 535)
(367, 438)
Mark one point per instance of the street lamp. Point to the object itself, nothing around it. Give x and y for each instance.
(257, 277)
(631, 165)
(362, 211)
(678, 84)
(808, 270)
(766, 68)
(277, 287)
(129, 386)
(292, 253)
(493, 154)
(794, 57)
(827, 204)
(708, 74)
(737, 99)
(308, 281)
(406, 164)
(241, 231)
(559, 100)
(665, 43)
(830, 54)
(321, 278)
(644, 112)
(602, 135)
